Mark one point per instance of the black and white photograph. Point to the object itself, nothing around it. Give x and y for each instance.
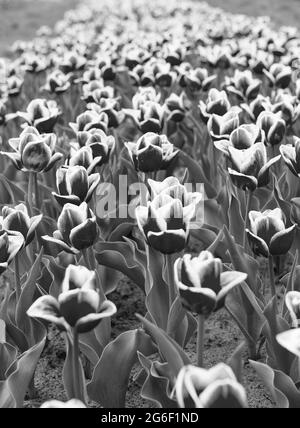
(149, 207)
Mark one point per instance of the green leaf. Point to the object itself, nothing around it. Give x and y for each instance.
(111, 375)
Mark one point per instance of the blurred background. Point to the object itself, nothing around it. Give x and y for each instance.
(19, 19)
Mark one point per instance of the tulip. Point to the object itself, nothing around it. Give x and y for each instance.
(141, 77)
(149, 117)
(202, 284)
(197, 79)
(273, 126)
(214, 388)
(291, 156)
(244, 86)
(72, 62)
(11, 242)
(101, 145)
(14, 86)
(220, 127)
(175, 108)
(279, 75)
(256, 107)
(242, 138)
(77, 229)
(217, 103)
(144, 95)
(57, 83)
(42, 115)
(17, 219)
(165, 222)
(77, 310)
(33, 152)
(292, 301)
(268, 234)
(152, 152)
(71, 404)
(250, 167)
(75, 185)
(90, 120)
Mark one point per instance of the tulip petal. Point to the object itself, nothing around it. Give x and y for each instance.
(258, 245)
(282, 241)
(229, 280)
(47, 308)
(89, 322)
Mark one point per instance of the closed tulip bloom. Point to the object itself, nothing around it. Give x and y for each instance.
(175, 108)
(292, 301)
(197, 79)
(291, 156)
(90, 120)
(242, 138)
(152, 152)
(17, 219)
(273, 126)
(279, 75)
(57, 82)
(34, 152)
(250, 168)
(244, 86)
(165, 223)
(220, 127)
(256, 107)
(268, 234)
(85, 157)
(202, 284)
(77, 229)
(209, 389)
(75, 185)
(41, 114)
(217, 103)
(78, 306)
(11, 242)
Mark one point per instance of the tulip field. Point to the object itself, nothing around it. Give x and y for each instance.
(150, 210)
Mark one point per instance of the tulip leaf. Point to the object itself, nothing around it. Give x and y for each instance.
(156, 384)
(282, 388)
(170, 351)
(111, 375)
(14, 388)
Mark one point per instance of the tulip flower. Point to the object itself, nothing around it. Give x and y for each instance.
(256, 107)
(149, 117)
(57, 83)
(14, 86)
(111, 108)
(220, 127)
(75, 185)
(101, 144)
(152, 152)
(197, 79)
(77, 229)
(17, 219)
(209, 389)
(243, 85)
(288, 109)
(201, 283)
(72, 62)
(42, 115)
(90, 120)
(33, 152)
(175, 108)
(291, 156)
(84, 157)
(165, 222)
(242, 138)
(292, 301)
(11, 242)
(141, 77)
(77, 310)
(279, 75)
(217, 103)
(250, 167)
(143, 96)
(71, 404)
(268, 234)
(273, 126)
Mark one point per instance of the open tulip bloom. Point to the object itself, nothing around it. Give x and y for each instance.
(220, 127)
(208, 389)
(268, 234)
(242, 138)
(41, 114)
(217, 103)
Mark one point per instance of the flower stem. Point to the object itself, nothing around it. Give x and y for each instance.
(78, 391)
(248, 205)
(86, 258)
(36, 190)
(272, 278)
(200, 340)
(30, 192)
(170, 278)
(17, 278)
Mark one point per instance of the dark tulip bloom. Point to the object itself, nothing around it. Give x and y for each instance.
(42, 115)
(291, 156)
(220, 127)
(268, 234)
(217, 103)
(152, 152)
(243, 85)
(76, 229)
(242, 138)
(257, 106)
(175, 108)
(90, 120)
(202, 284)
(279, 75)
(78, 306)
(33, 152)
(17, 219)
(57, 82)
(75, 185)
(11, 242)
(273, 126)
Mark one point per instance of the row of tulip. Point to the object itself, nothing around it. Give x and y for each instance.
(172, 96)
